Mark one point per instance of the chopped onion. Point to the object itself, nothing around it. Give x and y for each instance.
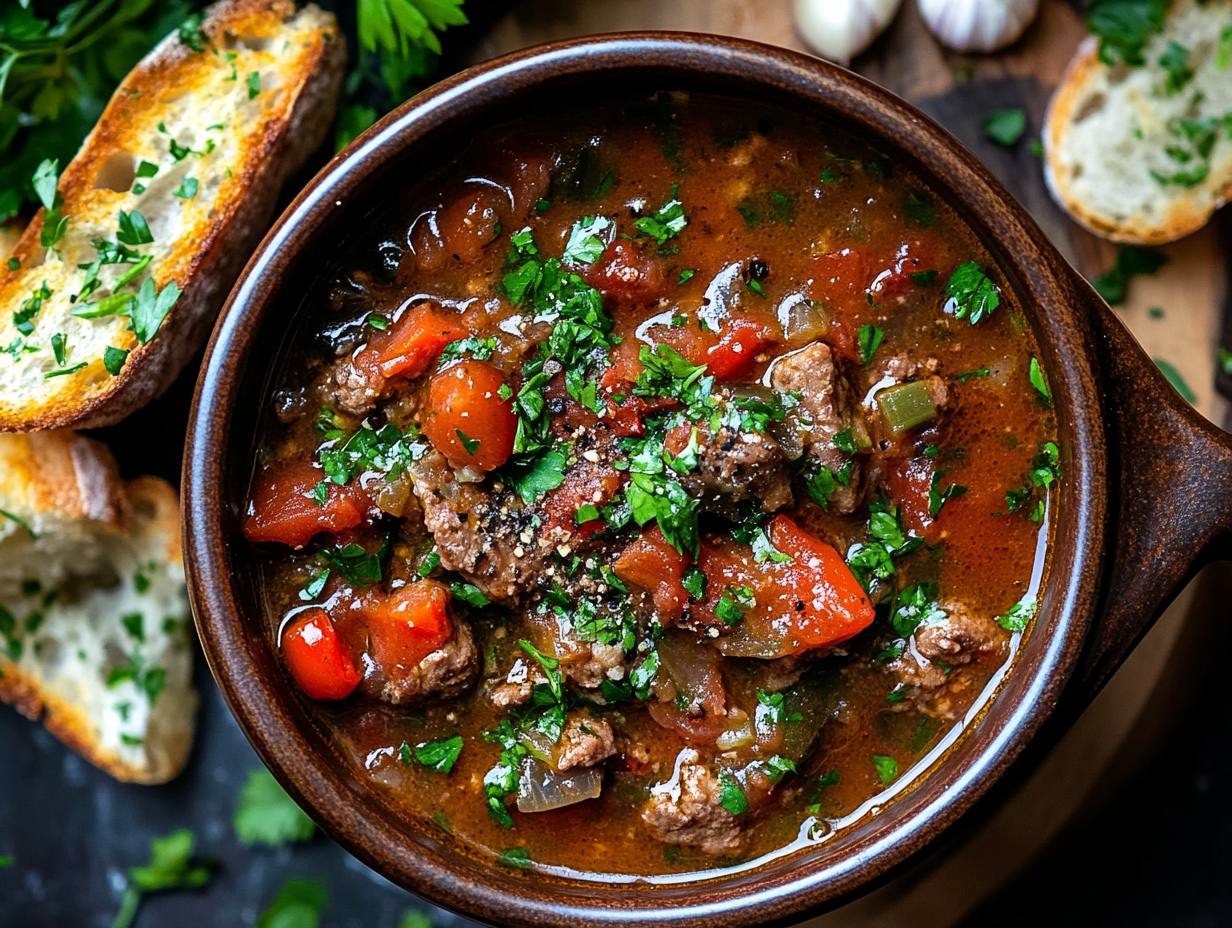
(802, 319)
(541, 789)
(739, 732)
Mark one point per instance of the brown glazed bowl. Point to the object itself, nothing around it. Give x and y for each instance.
(1146, 494)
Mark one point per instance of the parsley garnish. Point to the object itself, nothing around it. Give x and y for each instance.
(170, 867)
(1037, 380)
(45, 183)
(254, 84)
(265, 813)
(919, 210)
(187, 189)
(387, 450)
(113, 360)
(915, 606)
(435, 755)
(668, 221)
(355, 564)
(873, 559)
(1174, 377)
(886, 767)
(134, 230)
(734, 603)
(518, 857)
(1019, 615)
(869, 339)
(1005, 127)
(469, 594)
(731, 796)
(1124, 27)
(297, 905)
(938, 497)
(1130, 262)
(972, 295)
(151, 308)
(585, 243)
(470, 444)
(1175, 61)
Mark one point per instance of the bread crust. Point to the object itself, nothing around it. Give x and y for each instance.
(1185, 213)
(214, 243)
(72, 483)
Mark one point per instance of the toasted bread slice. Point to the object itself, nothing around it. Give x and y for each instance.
(94, 619)
(1124, 147)
(223, 127)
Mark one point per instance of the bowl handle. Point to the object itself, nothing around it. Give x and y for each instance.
(1170, 507)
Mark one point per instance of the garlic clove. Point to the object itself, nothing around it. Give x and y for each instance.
(978, 25)
(841, 29)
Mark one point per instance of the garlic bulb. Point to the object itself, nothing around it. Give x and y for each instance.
(978, 25)
(841, 29)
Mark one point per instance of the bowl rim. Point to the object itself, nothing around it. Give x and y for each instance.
(238, 653)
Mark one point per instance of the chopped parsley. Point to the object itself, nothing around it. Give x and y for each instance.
(669, 220)
(1019, 615)
(1005, 127)
(869, 339)
(435, 755)
(938, 497)
(1124, 27)
(734, 603)
(469, 594)
(266, 815)
(585, 243)
(731, 796)
(873, 559)
(1036, 373)
(356, 564)
(972, 295)
(1174, 377)
(1175, 62)
(886, 767)
(915, 606)
(518, 857)
(113, 360)
(1130, 262)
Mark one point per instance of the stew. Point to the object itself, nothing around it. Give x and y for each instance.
(654, 490)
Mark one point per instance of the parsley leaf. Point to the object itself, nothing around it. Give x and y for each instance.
(869, 339)
(938, 497)
(585, 243)
(113, 360)
(297, 905)
(478, 348)
(1019, 615)
(469, 594)
(1124, 27)
(435, 755)
(151, 308)
(731, 796)
(1005, 127)
(546, 473)
(134, 230)
(1174, 377)
(1130, 262)
(668, 221)
(265, 813)
(170, 867)
(971, 294)
(187, 189)
(733, 603)
(1038, 381)
(515, 857)
(919, 210)
(886, 767)
(1175, 61)
(355, 563)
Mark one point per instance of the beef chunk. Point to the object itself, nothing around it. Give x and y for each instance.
(932, 665)
(447, 672)
(958, 637)
(354, 386)
(734, 465)
(686, 810)
(486, 537)
(585, 742)
(826, 401)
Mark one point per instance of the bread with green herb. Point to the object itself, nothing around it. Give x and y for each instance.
(117, 281)
(1142, 152)
(94, 619)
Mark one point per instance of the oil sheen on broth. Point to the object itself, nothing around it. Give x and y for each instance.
(651, 487)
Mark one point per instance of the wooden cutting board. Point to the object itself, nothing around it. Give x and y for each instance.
(958, 91)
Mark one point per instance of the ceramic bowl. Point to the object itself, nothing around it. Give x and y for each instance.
(1146, 494)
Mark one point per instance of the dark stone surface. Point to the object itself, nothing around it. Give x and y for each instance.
(73, 830)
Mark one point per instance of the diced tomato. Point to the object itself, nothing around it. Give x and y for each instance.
(909, 481)
(284, 507)
(415, 341)
(835, 605)
(468, 422)
(406, 626)
(316, 658)
(740, 341)
(627, 275)
(723, 568)
(587, 483)
(658, 568)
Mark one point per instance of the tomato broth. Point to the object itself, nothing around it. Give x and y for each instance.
(650, 491)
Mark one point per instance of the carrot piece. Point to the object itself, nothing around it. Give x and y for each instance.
(408, 625)
(468, 421)
(416, 340)
(835, 605)
(316, 658)
(658, 568)
(285, 509)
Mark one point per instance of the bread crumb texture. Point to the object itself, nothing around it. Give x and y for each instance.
(95, 635)
(1144, 154)
(198, 143)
